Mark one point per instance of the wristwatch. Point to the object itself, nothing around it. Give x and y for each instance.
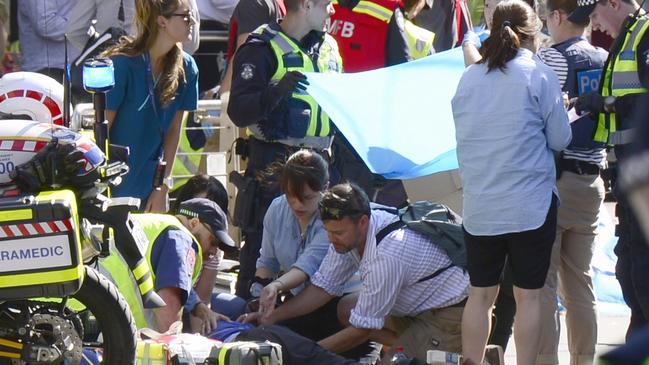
(609, 104)
(168, 182)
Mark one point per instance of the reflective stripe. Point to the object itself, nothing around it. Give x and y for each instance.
(329, 60)
(42, 278)
(629, 45)
(624, 136)
(11, 355)
(146, 284)
(142, 278)
(187, 159)
(626, 80)
(140, 269)
(420, 40)
(621, 78)
(12, 344)
(374, 10)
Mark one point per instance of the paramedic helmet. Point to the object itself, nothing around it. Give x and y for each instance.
(32, 94)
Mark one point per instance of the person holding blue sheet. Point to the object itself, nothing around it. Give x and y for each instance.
(268, 98)
(509, 118)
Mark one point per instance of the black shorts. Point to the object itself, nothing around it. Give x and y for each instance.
(529, 254)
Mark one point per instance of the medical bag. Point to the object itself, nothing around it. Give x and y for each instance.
(249, 353)
(40, 250)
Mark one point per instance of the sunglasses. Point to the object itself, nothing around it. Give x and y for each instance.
(215, 240)
(187, 17)
(338, 213)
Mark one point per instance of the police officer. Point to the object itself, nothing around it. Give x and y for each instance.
(177, 246)
(624, 81)
(582, 192)
(268, 98)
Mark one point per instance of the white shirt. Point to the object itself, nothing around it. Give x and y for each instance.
(390, 273)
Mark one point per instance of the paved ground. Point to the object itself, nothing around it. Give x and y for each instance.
(610, 334)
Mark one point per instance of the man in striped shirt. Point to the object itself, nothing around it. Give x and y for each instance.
(394, 306)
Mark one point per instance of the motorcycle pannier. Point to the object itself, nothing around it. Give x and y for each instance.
(40, 253)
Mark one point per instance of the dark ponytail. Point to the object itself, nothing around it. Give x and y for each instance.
(514, 24)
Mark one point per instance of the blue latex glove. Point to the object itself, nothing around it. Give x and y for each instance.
(476, 36)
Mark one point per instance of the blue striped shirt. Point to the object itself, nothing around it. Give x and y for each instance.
(507, 125)
(389, 274)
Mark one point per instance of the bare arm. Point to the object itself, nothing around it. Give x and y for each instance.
(471, 54)
(346, 339)
(157, 201)
(289, 280)
(205, 284)
(310, 299)
(227, 78)
(170, 313)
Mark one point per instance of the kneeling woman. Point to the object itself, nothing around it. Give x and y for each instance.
(294, 239)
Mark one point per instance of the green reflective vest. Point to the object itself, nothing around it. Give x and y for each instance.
(420, 40)
(117, 270)
(621, 78)
(285, 49)
(187, 160)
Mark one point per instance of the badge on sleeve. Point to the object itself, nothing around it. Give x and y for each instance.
(247, 71)
(191, 260)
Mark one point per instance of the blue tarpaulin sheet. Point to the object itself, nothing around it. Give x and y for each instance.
(398, 119)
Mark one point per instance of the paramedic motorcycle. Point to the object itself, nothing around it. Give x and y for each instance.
(55, 222)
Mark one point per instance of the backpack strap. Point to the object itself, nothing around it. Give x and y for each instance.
(401, 224)
(436, 273)
(398, 224)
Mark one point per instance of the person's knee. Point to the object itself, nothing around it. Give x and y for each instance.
(483, 297)
(524, 296)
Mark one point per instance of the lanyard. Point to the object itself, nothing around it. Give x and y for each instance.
(151, 96)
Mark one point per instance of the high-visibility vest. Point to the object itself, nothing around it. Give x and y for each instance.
(362, 32)
(290, 57)
(420, 40)
(621, 78)
(117, 270)
(187, 160)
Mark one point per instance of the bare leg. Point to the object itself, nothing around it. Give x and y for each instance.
(476, 321)
(527, 325)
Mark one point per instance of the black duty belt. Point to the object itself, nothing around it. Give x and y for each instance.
(578, 167)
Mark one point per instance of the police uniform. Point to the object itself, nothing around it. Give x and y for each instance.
(626, 78)
(582, 192)
(276, 127)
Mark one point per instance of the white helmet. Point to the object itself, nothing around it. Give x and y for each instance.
(29, 93)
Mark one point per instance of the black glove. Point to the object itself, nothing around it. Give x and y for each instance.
(291, 81)
(591, 102)
(37, 172)
(69, 160)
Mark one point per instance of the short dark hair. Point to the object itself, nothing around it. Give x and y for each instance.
(304, 167)
(567, 6)
(214, 189)
(514, 22)
(346, 200)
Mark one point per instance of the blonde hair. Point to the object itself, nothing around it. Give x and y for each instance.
(146, 15)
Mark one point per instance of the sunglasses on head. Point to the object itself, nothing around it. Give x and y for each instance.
(338, 213)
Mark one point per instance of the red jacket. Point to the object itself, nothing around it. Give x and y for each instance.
(362, 33)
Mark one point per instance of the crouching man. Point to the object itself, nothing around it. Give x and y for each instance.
(411, 294)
